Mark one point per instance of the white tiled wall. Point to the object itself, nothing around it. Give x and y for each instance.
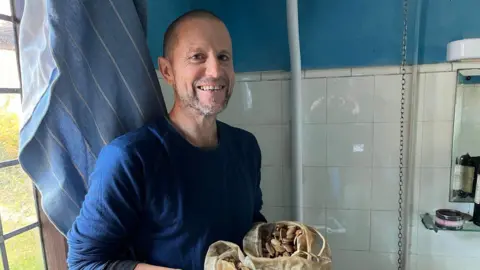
(351, 151)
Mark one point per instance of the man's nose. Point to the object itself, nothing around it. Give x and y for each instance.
(213, 67)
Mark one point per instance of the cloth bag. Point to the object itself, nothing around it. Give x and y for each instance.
(223, 255)
(314, 251)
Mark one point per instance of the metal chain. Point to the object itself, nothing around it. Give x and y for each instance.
(400, 252)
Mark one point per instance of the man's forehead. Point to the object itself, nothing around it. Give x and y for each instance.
(194, 35)
(202, 26)
(196, 20)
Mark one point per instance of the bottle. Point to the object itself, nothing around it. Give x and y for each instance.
(471, 177)
(464, 177)
(476, 164)
(476, 205)
(457, 178)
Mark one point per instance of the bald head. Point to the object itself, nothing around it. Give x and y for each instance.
(170, 36)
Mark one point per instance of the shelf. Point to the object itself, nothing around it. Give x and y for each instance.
(429, 223)
(461, 200)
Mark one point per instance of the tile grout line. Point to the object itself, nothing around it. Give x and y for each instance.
(372, 166)
(284, 143)
(326, 122)
(327, 91)
(370, 235)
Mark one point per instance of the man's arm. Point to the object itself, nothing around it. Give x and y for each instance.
(109, 214)
(143, 266)
(258, 216)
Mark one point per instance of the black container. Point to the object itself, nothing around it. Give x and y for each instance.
(449, 219)
(476, 205)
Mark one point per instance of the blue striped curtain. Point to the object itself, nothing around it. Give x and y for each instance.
(87, 77)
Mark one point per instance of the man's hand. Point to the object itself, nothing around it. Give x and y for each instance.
(143, 266)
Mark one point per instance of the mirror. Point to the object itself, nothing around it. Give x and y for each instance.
(465, 162)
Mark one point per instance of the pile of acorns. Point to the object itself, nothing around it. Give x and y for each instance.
(282, 242)
(236, 263)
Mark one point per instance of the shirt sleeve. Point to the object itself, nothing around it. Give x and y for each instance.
(121, 265)
(258, 216)
(101, 233)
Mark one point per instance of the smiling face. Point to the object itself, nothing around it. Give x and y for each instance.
(199, 66)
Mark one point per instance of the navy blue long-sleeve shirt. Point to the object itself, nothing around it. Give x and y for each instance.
(154, 195)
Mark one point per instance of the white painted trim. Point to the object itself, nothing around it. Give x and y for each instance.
(327, 73)
(248, 77)
(441, 67)
(380, 70)
(465, 65)
(275, 75)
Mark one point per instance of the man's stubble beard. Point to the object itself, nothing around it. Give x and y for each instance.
(193, 102)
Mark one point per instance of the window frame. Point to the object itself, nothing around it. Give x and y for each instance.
(54, 247)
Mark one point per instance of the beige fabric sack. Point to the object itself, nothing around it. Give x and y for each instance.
(223, 255)
(313, 251)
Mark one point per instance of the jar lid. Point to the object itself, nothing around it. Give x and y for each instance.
(449, 214)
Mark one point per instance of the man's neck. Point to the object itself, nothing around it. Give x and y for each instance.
(201, 131)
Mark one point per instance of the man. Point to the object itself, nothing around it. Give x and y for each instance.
(167, 191)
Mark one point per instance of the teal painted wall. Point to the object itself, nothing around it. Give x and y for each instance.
(333, 33)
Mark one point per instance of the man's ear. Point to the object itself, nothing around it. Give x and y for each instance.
(166, 69)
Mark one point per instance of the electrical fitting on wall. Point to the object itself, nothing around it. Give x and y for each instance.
(464, 50)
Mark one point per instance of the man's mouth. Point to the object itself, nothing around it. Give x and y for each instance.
(211, 88)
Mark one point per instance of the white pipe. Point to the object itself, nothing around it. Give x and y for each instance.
(413, 108)
(296, 108)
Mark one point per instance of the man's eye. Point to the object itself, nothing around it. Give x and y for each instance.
(224, 57)
(197, 57)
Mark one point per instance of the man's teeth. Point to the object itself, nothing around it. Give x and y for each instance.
(211, 88)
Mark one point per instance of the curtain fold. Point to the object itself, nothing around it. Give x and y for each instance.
(87, 78)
